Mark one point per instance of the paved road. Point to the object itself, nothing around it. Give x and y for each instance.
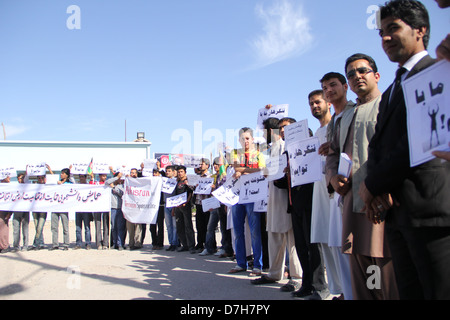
(126, 275)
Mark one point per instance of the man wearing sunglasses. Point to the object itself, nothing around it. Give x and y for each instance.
(364, 240)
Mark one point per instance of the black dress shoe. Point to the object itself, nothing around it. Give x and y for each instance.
(303, 292)
(262, 280)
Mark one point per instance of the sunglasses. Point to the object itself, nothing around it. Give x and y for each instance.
(362, 71)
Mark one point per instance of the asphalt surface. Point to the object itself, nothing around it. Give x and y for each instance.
(124, 275)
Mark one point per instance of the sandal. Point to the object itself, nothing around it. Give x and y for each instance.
(237, 269)
(255, 272)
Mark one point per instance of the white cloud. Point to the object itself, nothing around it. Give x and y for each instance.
(12, 130)
(286, 32)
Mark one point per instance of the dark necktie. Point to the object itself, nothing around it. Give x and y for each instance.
(397, 82)
(398, 75)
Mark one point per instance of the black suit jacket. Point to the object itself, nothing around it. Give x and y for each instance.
(422, 191)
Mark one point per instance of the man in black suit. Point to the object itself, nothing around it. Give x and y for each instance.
(415, 201)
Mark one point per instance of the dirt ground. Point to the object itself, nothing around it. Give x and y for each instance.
(123, 275)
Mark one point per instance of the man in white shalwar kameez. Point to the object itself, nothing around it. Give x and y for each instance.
(320, 220)
(279, 224)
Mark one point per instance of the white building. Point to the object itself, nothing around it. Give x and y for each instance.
(61, 154)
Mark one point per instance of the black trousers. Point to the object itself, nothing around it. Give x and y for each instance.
(185, 228)
(421, 258)
(309, 254)
(157, 229)
(201, 224)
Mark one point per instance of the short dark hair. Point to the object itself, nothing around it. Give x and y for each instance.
(205, 161)
(288, 119)
(361, 56)
(315, 93)
(246, 129)
(171, 167)
(332, 75)
(181, 167)
(270, 123)
(412, 12)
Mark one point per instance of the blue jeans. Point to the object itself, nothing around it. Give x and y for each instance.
(39, 222)
(80, 218)
(239, 212)
(216, 216)
(171, 227)
(118, 228)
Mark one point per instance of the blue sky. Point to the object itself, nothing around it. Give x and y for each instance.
(182, 71)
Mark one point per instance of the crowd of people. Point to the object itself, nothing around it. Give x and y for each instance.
(382, 232)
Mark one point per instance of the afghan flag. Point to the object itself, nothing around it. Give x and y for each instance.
(222, 168)
(90, 170)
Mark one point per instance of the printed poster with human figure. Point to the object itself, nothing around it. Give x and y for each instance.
(427, 98)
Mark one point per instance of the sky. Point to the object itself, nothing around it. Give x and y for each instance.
(188, 73)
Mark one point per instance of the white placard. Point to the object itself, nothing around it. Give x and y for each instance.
(79, 168)
(228, 193)
(296, 131)
(204, 186)
(193, 179)
(51, 179)
(275, 167)
(149, 166)
(210, 203)
(427, 98)
(168, 185)
(278, 111)
(176, 201)
(304, 161)
(7, 172)
(100, 168)
(37, 169)
(261, 205)
(254, 187)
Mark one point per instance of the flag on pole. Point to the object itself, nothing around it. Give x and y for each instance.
(90, 170)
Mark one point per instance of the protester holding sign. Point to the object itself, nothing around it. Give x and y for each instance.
(4, 225)
(118, 222)
(218, 215)
(65, 179)
(201, 217)
(83, 218)
(157, 229)
(314, 285)
(40, 217)
(244, 161)
(135, 230)
(418, 228)
(171, 173)
(101, 220)
(279, 224)
(183, 213)
(21, 220)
